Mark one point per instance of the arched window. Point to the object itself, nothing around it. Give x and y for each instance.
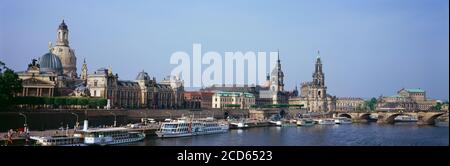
(318, 93)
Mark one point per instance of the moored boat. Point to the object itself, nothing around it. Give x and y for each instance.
(326, 121)
(111, 136)
(184, 127)
(58, 140)
(305, 122)
(342, 120)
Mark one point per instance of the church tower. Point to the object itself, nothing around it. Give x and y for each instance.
(318, 75)
(277, 77)
(64, 52)
(84, 71)
(62, 38)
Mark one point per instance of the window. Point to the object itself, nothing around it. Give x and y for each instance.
(95, 83)
(95, 93)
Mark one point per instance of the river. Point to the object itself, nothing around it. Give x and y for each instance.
(365, 134)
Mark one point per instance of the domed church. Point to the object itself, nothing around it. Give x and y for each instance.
(55, 72)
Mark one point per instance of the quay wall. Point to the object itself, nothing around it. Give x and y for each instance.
(53, 119)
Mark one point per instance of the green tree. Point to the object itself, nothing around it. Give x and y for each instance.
(438, 106)
(83, 101)
(10, 84)
(60, 101)
(371, 104)
(102, 102)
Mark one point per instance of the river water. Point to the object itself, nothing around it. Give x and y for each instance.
(366, 134)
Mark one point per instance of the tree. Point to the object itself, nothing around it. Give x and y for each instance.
(82, 101)
(10, 84)
(59, 101)
(371, 103)
(438, 106)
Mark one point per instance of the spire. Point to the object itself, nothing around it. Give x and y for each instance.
(84, 60)
(318, 54)
(278, 55)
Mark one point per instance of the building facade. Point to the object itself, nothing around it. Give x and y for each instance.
(233, 100)
(349, 104)
(143, 92)
(313, 95)
(406, 99)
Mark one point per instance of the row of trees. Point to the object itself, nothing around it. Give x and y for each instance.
(59, 102)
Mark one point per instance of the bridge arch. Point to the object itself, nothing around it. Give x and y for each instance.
(345, 115)
(391, 118)
(431, 119)
(365, 116)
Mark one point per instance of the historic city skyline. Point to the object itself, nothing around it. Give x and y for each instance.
(383, 53)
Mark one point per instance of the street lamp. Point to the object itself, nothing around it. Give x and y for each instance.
(76, 123)
(25, 124)
(115, 118)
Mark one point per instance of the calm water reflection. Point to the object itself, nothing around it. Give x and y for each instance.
(371, 134)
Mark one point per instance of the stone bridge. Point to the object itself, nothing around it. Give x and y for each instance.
(423, 118)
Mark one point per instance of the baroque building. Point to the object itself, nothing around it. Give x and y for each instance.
(313, 95)
(143, 92)
(349, 104)
(406, 99)
(272, 92)
(54, 73)
(233, 100)
(64, 52)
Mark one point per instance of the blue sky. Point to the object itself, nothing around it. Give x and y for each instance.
(368, 47)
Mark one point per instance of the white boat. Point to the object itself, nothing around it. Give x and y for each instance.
(325, 121)
(58, 140)
(305, 122)
(111, 136)
(342, 120)
(405, 118)
(184, 127)
(239, 124)
(277, 122)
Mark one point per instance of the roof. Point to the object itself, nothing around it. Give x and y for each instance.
(236, 94)
(415, 90)
(143, 76)
(50, 63)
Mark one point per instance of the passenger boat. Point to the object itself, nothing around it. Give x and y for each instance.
(305, 122)
(325, 121)
(111, 136)
(342, 120)
(184, 127)
(405, 118)
(58, 140)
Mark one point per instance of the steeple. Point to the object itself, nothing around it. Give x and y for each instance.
(318, 76)
(62, 38)
(84, 70)
(277, 76)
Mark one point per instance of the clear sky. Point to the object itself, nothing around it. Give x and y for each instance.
(368, 47)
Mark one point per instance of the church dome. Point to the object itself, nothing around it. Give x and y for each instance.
(50, 63)
(142, 76)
